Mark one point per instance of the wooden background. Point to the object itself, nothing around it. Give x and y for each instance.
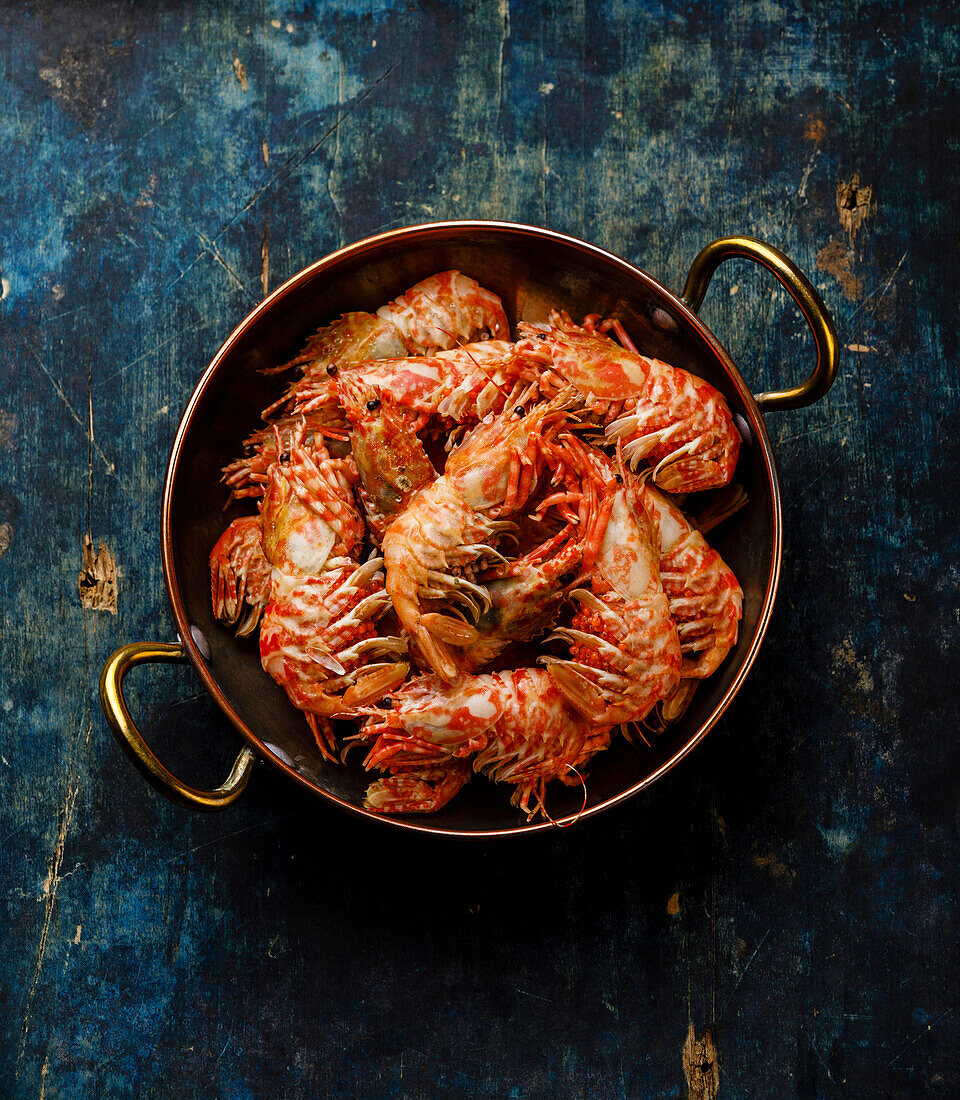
(778, 917)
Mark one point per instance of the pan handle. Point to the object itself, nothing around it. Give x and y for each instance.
(792, 279)
(140, 753)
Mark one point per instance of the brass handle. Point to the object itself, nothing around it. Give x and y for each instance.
(139, 752)
(792, 279)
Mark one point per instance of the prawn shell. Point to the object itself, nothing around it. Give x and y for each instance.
(446, 309)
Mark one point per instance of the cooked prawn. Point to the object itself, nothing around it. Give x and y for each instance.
(705, 600)
(318, 634)
(517, 725)
(239, 576)
(449, 529)
(664, 416)
(444, 310)
(625, 651)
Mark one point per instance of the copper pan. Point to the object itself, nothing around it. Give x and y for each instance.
(532, 270)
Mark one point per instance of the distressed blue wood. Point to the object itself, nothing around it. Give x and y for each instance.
(793, 886)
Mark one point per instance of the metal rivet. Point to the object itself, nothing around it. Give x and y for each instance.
(663, 320)
(201, 642)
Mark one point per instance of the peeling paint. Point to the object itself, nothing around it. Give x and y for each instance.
(97, 581)
(845, 657)
(815, 130)
(775, 866)
(853, 204)
(673, 904)
(6, 537)
(80, 79)
(836, 259)
(241, 72)
(148, 191)
(700, 1065)
(838, 840)
(8, 430)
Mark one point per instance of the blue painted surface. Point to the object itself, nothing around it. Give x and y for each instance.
(793, 885)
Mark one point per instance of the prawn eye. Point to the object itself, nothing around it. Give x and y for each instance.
(331, 369)
(284, 456)
(520, 411)
(541, 336)
(373, 403)
(619, 479)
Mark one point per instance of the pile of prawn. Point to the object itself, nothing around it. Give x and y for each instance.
(466, 545)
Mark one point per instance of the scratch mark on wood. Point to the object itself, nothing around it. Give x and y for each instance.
(266, 154)
(238, 832)
(215, 252)
(504, 12)
(882, 290)
(335, 173)
(783, 440)
(51, 889)
(43, 1074)
(97, 581)
(822, 1060)
(673, 904)
(6, 537)
(58, 389)
(805, 178)
(743, 974)
(265, 258)
(289, 166)
(700, 1067)
(152, 351)
(536, 996)
(903, 1050)
(163, 121)
(293, 162)
(224, 1048)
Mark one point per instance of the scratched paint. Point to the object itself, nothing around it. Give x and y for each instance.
(790, 890)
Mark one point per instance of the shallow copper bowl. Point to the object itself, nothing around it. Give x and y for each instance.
(533, 270)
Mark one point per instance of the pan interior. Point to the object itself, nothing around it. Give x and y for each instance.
(532, 272)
